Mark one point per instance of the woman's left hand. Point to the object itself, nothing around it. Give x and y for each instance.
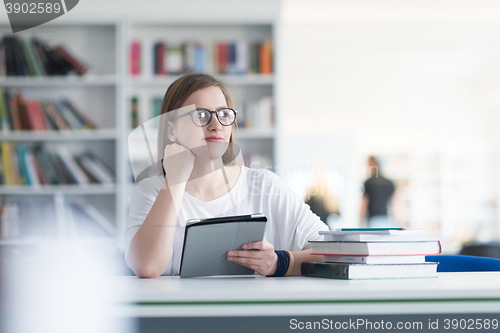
(259, 256)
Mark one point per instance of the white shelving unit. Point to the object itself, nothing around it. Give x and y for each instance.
(97, 94)
(104, 95)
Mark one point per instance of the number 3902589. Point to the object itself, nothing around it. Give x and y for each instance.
(471, 324)
(33, 8)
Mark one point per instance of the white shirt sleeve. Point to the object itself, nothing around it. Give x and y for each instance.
(291, 222)
(143, 198)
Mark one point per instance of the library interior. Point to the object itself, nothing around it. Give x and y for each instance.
(376, 114)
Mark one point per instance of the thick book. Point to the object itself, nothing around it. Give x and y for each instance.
(376, 248)
(374, 259)
(207, 241)
(347, 271)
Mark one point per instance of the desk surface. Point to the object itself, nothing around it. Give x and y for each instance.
(472, 292)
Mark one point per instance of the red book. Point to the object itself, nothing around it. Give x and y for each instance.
(35, 116)
(160, 58)
(23, 113)
(16, 113)
(135, 58)
(223, 57)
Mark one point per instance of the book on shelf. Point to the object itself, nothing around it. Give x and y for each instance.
(135, 57)
(32, 172)
(34, 63)
(364, 248)
(35, 116)
(10, 173)
(34, 57)
(62, 171)
(45, 165)
(265, 57)
(134, 112)
(351, 271)
(96, 168)
(156, 103)
(68, 115)
(77, 174)
(24, 175)
(55, 117)
(231, 57)
(258, 114)
(76, 64)
(5, 122)
(175, 59)
(18, 113)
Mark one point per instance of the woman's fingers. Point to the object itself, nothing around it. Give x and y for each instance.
(259, 256)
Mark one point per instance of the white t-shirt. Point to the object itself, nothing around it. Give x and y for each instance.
(290, 226)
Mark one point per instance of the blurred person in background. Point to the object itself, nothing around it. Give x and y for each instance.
(321, 200)
(377, 198)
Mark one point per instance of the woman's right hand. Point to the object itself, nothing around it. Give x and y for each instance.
(178, 163)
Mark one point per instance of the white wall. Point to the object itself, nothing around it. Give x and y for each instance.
(388, 77)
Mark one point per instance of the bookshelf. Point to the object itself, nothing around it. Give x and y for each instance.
(76, 210)
(253, 87)
(104, 95)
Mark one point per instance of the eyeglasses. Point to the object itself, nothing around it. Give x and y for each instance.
(203, 117)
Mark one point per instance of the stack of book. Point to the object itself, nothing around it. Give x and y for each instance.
(34, 57)
(373, 253)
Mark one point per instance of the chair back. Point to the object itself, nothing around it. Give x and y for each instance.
(464, 263)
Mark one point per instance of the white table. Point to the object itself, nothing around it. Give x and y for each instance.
(458, 293)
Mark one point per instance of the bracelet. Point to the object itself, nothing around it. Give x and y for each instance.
(290, 266)
(283, 263)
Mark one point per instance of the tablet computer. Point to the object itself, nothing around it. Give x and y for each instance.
(207, 241)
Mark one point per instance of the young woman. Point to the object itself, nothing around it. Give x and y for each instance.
(203, 180)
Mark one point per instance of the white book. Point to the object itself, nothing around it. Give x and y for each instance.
(96, 169)
(375, 259)
(174, 60)
(376, 248)
(242, 57)
(72, 166)
(29, 161)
